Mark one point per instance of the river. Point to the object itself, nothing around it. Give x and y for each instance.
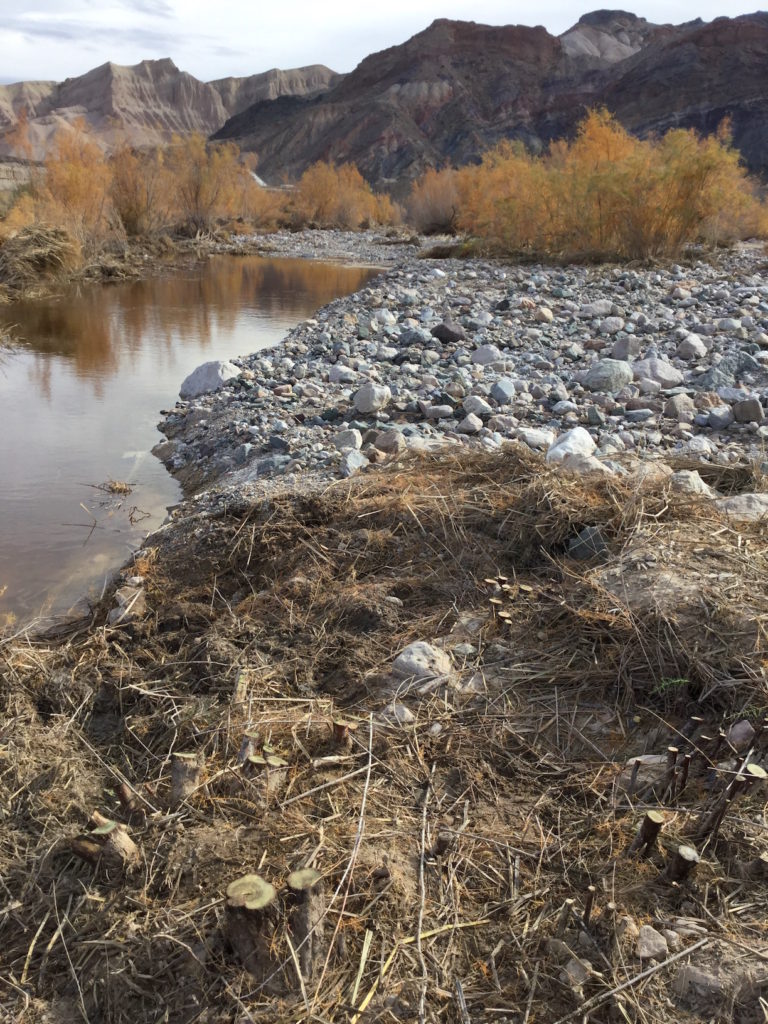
(81, 390)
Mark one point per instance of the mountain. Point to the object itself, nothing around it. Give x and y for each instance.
(457, 88)
(145, 103)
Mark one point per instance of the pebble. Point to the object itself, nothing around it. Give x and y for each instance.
(461, 354)
(651, 945)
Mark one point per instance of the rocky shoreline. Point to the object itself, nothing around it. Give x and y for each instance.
(588, 365)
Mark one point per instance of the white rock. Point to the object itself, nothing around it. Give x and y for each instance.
(420, 662)
(544, 315)
(688, 481)
(470, 424)
(477, 405)
(577, 441)
(208, 377)
(657, 369)
(486, 354)
(747, 507)
(534, 438)
(399, 713)
(372, 397)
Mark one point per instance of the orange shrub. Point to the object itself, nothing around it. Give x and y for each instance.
(608, 194)
(139, 189)
(206, 182)
(338, 197)
(433, 204)
(75, 192)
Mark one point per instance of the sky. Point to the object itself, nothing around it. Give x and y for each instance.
(57, 39)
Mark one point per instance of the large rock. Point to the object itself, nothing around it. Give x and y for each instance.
(651, 945)
(372, 397)
(660, 370)
(747, 507)
(608, 375)
(573, 442)
(208, 377)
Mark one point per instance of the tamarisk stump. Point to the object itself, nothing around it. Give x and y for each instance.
(269, 771)
(186, 770)
(108, 844)
(250, 923)
(307, 912)
(756, 869)
(342, 733)
(681, 863)
(130, 802)
(647, 834)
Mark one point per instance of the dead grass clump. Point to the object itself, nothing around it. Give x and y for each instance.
(446, 847)
(35, 253)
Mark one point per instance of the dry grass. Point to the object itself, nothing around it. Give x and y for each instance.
(448, 846)
(37, 254)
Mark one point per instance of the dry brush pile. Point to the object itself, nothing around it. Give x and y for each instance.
(217, 813)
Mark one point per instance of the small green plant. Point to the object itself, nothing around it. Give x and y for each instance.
(667, 685)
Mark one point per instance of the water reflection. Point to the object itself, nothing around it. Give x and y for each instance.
(80, 396)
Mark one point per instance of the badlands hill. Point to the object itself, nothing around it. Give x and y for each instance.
(145, 103)
(457, 88)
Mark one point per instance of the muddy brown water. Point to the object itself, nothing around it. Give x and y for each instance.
(81, 391)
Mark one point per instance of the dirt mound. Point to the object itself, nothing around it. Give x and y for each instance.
(250, 724)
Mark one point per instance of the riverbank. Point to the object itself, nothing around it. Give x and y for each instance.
(456, 681)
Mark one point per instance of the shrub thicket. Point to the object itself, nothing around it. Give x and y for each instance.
(605, 194)
(338, 197)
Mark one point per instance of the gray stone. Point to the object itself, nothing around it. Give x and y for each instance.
(719, 417)
(348, 439)
(372, 397)
(208, 377)
(625, 346)
(691, 347)
(539, 440)
(680, 408)
(651, 945)
(688, 481)
(660, 370)
(748, 411)
(601, 307)
(611, 325)
(353, 462)
(449, 332)
(503, 391)
(587, 544)
(609, 375)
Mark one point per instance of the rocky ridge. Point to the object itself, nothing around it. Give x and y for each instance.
(456, 89)
(143, 104)
(589, 366)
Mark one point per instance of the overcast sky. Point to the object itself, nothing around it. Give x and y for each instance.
(56, 39)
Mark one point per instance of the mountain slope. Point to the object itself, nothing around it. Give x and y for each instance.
(143, 104)
(457, 88)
